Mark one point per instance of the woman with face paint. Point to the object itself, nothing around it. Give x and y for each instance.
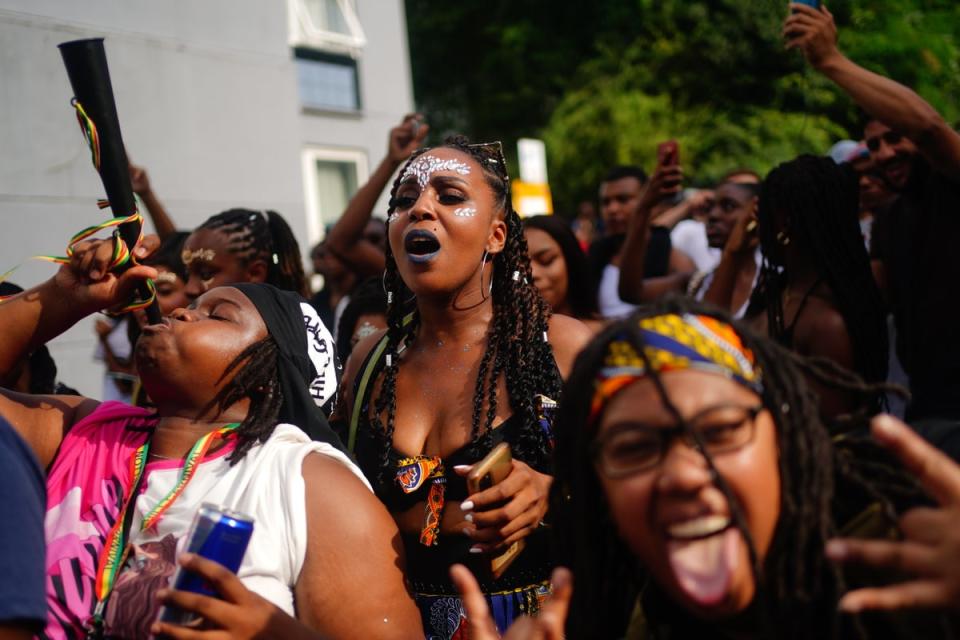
(697, 487)
(471, 357)
(240, 245)
(237, 379)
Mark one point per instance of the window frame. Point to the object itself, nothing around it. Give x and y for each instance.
(316, 55)
(309, 157)
(303, 33)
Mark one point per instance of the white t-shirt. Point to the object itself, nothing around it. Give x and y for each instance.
(690, 237)
(267, 484)
(608, 296)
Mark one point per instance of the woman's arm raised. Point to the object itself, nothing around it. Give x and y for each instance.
(32, 318)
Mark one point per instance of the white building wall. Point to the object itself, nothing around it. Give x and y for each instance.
(207, 97)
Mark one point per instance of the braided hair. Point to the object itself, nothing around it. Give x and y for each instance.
(820, 202)
(824, 484)
(516, 338)
(263, 235)
(255, 377)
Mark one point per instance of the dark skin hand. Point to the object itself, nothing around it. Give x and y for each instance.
(181, 362)
(351, 584)
(548, 625)
(929, 553)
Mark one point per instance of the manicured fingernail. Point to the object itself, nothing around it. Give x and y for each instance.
(95, 275)
(476, 550)
(140, 252)
(468, 532)
(848, 605)
(466, 505)
(185, 558)
(468, 517)
(884, 426)
(836, 550)
(461, 467)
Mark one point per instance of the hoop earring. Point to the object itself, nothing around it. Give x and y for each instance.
(483, 265)
(783, 238)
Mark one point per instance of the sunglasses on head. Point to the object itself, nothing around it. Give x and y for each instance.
(889, 137)
(497, 148)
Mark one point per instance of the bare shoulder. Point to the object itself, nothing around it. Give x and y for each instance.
(822, 331)
(568, 337)
(350, 372)
(43, 420)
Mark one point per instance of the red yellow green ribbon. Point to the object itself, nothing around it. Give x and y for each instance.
(121, 252)
(115, 547)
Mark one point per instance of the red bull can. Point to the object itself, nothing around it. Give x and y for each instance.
(218, 534)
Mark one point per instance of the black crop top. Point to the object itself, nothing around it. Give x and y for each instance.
(428, 566)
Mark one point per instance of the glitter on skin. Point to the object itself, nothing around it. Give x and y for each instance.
(424, 167)
(465, 212)
(204, 255)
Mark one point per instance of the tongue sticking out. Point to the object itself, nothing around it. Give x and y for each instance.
(704, 568)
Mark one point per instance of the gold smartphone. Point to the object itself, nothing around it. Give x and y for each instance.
(486, 473)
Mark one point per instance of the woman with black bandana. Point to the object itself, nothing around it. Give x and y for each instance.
(234, 378)
(471, 358)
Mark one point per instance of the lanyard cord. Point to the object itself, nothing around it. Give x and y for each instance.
(115, 548)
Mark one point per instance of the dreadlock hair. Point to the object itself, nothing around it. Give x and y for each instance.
(516, 338)
(819, 201)
(824, 484)
(581, 295)
(255, 377)
(263, 235)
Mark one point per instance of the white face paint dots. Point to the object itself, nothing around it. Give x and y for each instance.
(425, 166)
(465, 212)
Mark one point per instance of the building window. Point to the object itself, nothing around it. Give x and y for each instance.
(327, 81)
(330, 177)
(327, 25)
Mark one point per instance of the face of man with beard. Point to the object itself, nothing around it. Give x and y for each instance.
(891, 152)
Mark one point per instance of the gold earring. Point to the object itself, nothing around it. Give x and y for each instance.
(783, 238)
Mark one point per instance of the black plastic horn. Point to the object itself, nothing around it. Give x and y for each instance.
(86, 63)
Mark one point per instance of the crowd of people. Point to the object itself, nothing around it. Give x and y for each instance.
(693, 388)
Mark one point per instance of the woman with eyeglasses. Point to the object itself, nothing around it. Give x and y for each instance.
(696, 487)
(471, 358)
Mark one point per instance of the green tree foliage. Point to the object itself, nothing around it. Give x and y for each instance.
(603, 82)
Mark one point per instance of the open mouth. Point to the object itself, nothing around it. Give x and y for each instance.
(703, 554)
(698, 528)
(421, 245)
(152, 329)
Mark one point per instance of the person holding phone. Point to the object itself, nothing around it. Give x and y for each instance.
(914, 244)
(471, 358)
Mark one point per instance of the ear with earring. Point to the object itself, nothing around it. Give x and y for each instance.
(483, 265)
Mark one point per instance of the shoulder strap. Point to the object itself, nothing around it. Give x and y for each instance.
(367, 372)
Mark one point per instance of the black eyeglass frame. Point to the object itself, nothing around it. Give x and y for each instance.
(669, 434)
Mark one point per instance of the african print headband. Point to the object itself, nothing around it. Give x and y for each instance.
(673, 342)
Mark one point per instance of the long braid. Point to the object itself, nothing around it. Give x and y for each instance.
(255, 377)
(823, 484)
(515, 339)
(266, 236)
(819, 200)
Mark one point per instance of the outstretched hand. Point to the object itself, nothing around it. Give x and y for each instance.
(930, 550)
(407, 137)
(86, 280)
(813, 31)
(548, 625)
(240, 614)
